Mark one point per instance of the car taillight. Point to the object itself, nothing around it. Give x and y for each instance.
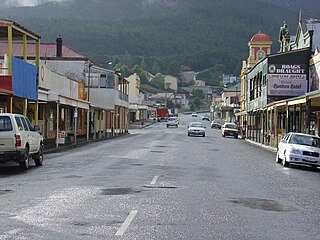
(18, 140)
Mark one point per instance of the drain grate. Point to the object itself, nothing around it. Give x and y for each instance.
(153, 151)
(119, 191)
(263, 204)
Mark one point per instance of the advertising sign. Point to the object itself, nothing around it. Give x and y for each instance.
(61, 137)
(287, 80)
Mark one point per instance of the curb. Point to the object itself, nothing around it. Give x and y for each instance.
(269, 148)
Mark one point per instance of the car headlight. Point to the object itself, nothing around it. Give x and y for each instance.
(295, 151)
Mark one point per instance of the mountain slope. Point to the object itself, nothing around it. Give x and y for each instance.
(162, 34)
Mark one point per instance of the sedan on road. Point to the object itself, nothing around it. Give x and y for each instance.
(299, 148)
(197, 129)
(229, 129)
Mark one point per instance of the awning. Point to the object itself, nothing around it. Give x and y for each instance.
(297, 101)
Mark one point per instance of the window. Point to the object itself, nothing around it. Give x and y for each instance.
(29, 124)
(25, 124)
(5, 124)
(19, 123)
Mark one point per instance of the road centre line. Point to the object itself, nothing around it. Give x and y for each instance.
(154, 180)
(126, 223)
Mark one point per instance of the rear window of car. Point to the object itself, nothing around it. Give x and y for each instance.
(231, 126)
(196, 125)
(5, 124)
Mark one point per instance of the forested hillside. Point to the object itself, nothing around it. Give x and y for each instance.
(162, 35)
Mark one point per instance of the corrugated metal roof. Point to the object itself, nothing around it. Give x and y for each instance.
(46, 50)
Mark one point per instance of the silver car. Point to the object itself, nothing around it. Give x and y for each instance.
(197, 129)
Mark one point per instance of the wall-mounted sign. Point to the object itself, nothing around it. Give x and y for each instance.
(287, 84)
(287, 69)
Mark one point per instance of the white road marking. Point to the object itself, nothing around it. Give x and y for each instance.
(154, 180)
(126, 223)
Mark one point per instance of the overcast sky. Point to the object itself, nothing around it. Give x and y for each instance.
(16, 3)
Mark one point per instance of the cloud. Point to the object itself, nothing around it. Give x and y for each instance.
(22, 3)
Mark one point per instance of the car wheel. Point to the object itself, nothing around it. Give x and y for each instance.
(235, 136)
(38, 157)
(24, 162)
(223, 135)
(189, 134)
(285, 163)
(167, 126)
(203, 135)
(278, 160)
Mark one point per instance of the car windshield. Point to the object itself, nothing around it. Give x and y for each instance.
(231, 126)
(196, 125)
(305, 140)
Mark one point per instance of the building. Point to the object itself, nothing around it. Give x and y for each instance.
(19, 77)
(170, 82)
(137, 111)
(282, 90)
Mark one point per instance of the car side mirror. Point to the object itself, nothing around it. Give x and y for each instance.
(36, 128)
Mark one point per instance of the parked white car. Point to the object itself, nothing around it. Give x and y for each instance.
(197, 129)
(19, 140)
(299, 148)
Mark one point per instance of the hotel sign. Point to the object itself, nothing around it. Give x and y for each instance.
(287, 80)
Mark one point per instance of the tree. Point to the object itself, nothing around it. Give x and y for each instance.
(197, 103)
(158, 81)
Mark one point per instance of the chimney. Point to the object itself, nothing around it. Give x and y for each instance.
(59, 46)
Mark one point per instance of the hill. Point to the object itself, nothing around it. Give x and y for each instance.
(158, 35)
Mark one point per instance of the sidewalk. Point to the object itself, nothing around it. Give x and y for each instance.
(50, 144)
(267, 147)
(138, 125)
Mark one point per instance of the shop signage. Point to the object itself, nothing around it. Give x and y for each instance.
(61, 137)
(286, 85)
(287, 69)
(287, 79)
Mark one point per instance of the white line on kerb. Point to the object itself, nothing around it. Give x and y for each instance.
(155, 178)
(126, 223)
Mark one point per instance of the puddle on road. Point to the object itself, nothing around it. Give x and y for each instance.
(135, 164)
(119, 191)
(156, 186)
(262, 204)
(4, 191)
(153, 151)
(213, 150)
(72, 176)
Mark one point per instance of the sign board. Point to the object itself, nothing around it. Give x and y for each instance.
(61, 137)
(287, 79)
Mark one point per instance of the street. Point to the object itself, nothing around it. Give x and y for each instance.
(158, 183)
